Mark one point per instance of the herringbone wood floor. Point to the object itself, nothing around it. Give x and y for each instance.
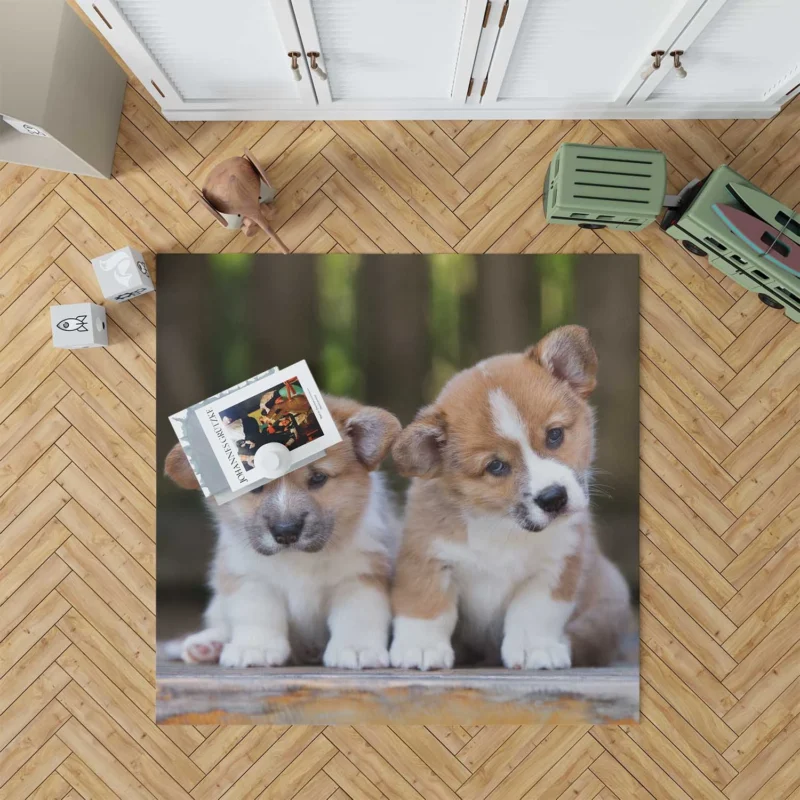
(720, 487)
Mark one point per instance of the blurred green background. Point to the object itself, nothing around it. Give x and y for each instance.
(387, 330)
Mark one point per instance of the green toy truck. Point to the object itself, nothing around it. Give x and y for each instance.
(610, 187)
(605, 187)
(702, 232)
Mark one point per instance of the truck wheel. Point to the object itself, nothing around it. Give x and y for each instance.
(769, 301)
(693, 248)
(592, 226)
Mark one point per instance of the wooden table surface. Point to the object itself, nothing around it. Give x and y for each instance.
(201, 694)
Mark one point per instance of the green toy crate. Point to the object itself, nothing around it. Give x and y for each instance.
(605, 187)
(701, 231)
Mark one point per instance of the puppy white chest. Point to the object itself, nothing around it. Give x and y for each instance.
(497, 558)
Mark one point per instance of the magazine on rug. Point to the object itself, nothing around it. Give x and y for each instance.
(280, 409)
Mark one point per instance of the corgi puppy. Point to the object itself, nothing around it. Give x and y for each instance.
(498, 561)
(303, 564)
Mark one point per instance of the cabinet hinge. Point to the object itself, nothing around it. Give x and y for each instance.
(483, 88)
(503, 15)
(486, 13)
(469, 88)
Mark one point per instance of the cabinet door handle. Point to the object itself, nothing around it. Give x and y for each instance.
(321, 74)
(651, 68)
(294, 55)
(676, 60)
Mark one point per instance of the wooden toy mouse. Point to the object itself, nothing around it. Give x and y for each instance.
(233, 188)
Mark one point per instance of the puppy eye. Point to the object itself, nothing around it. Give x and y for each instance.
(555, 436)
(498, 468)
(317, 479)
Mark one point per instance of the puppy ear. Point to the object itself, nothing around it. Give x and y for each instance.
(568, 354)
(418, 450)
(372, 431)
(176, 466)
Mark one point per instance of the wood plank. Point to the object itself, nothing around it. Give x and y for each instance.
(687, 703)
(346, 232)
(377, 228)
(34, 736)
(419, 161)
(144, 153)
(671, 323)
(109, 516)
(681, 553)
(30, 230)
(686, 413)
(159, 131)
(778, 569)
(292, 159)
(84, 782)
(209, 135)
(684, 448)
(437, 143)
(676, 584)
(475, 134)
(499, 181)
(108, 478)
(238, 759)
(12, 176)
(98, 689)
(26, 198)
(682, 517)
(399, 200)
(16, 281)
(154, 199)
(763, 474)
(768, 397)
(39, 294)
(760, 549)
(101, 763)
(684, 737)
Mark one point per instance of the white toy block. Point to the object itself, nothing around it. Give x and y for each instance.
(122, 274)
(78, 325)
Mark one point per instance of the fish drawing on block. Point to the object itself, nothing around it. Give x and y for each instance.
(77, 324)
(761, 237)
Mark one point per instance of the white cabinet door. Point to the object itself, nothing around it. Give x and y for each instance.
(409, 54)
(746, 52)
(208, 54)
(578, 53)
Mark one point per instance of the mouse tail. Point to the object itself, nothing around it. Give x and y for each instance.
(269, 230)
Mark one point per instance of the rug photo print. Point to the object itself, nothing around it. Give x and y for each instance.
(467, 552)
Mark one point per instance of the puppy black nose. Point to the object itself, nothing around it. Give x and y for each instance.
(552, 499)
(287, 532)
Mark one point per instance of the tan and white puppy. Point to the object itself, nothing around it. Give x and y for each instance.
(303, 565)
(498, 558)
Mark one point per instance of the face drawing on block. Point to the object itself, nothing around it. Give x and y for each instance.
(513, 436)
(306, 509)
(74, 324)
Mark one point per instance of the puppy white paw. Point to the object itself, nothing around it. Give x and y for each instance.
(202, 647)
(237, 654)
(433, 655)
(530, 653)
(348, 655)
